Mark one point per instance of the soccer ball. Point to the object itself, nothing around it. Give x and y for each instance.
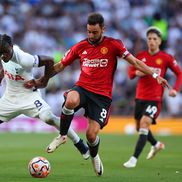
(39, 167)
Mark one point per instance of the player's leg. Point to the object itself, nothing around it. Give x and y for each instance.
(93, 143)
(143, 135)
(139, 110)
(156, 145)
(142, 139)
(48, 117)
(155, 149)
(72, 101)
(97, 108)
(79, 143)
(148, 112)
(42, 110)
(150, 138)
(36, 107)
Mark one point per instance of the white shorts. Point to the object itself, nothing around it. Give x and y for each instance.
(29, 104)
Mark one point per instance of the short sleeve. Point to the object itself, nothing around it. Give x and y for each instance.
(121, 49)
(70, 56)
(25, 59)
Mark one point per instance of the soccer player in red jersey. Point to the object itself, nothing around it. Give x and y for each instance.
(149, 93)
(97, 56)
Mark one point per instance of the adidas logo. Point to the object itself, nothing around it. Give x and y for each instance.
(144, 60)
(101, 119)
(84, 52)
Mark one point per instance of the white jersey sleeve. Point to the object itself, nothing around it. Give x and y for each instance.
(25, 59)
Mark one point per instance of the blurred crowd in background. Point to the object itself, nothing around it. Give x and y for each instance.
(51, 27)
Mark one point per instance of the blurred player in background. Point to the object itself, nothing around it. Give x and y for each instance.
(149, 93)
(93, 91)
(16, 69)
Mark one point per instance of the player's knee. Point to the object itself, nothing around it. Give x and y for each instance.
(145, 122)
(71, 103)
(92, 130)
(72, 100)
(91, 136)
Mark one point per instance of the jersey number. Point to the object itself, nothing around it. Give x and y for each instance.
(103, 115)
(151, 110)
(38, 104)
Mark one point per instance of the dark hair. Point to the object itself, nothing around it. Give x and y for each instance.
(95, 18)
(5, 40)
(154, 30)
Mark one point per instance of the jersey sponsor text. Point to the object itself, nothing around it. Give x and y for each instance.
(13, 77)
(95, 62)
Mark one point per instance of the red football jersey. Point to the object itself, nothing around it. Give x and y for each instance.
(98, 63)
(148, 87)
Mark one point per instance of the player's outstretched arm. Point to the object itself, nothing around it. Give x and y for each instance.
(43, 81)
(36, 83)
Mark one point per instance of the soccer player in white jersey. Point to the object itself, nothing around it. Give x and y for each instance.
(16, 69)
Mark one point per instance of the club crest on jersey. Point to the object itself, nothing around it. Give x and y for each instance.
(104, 50)
(158, 61)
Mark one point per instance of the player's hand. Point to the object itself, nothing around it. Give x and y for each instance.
(162, 81)
(37, 83)
(172, 93)
(30, 84)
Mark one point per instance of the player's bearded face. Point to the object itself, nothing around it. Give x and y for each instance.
(94, 33)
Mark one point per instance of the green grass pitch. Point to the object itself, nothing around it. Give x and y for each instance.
(67, 165)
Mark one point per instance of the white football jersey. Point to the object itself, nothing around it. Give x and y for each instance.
(18, 70)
